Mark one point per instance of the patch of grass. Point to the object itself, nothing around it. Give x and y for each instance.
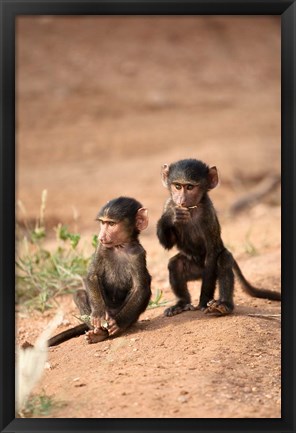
(249, 246)
(40, 405)
(157, 301)
(85, 318)
(41, 274)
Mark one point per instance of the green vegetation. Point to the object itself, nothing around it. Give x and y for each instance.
(249, 246)
(43, 274)
(40, 405)
(157, 301)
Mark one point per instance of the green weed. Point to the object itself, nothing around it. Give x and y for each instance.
(40, 405)
(249, 246)
(43, 274)
(157, 301)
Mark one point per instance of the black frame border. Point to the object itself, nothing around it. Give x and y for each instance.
(9, 9)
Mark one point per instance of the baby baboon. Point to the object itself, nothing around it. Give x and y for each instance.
(190, 223)
(118, 282)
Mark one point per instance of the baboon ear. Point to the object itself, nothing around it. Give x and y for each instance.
(213, 178)
(142, 219)
(164, 175)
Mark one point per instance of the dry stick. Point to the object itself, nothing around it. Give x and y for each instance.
(261, 190)
(266, 316)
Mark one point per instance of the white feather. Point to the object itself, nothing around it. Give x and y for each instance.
(30, 363)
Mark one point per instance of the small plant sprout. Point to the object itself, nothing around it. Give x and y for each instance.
(85, 318)
(40, 405)
(157, 302)
(64, 235)
(249, 246)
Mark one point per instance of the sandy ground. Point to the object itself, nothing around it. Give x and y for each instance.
(102, 103)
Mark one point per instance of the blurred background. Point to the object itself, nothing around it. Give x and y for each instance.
(103, 102)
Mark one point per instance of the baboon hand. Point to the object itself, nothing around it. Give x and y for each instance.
(111, 326)
(181, 215)
(95, 320)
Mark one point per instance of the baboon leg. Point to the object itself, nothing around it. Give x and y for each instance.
(181, 270)
(80, 298)
(82, 302)
(224, 305)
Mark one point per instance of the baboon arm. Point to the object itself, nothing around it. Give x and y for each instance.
(138, 298)
(166, 231)
(96, 300)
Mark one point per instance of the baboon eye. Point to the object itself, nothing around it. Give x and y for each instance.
(190, 187)
(111, 223)
(177, 186)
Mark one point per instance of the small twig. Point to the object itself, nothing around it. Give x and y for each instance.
(266, 316)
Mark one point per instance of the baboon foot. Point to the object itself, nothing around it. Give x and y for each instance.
(177, 309)
(96, 335)
(218, 308)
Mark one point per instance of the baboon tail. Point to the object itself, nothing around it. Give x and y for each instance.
(67, 335)
(254, 291)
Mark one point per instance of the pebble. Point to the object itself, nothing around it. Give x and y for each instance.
(182, 399)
